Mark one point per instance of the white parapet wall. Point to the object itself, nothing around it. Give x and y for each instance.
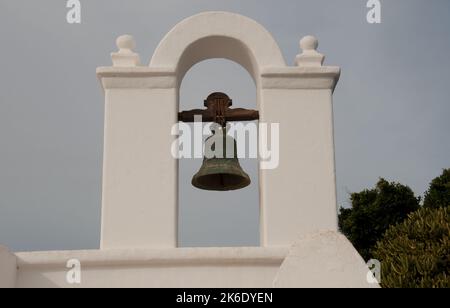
(8, 268)
(320, 259)
(179, 267)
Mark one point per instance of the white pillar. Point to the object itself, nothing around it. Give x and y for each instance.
(139, 207)
(299, 197)
(8, 268)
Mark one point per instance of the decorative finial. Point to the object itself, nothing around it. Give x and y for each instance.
(309, 43)
(126, 43)
(125, 57)
(309, 57)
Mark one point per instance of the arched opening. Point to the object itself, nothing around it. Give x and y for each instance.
(217, 218)
(220, 47)
(218, 35)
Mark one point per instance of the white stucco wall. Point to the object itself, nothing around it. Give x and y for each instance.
(323, 259)
(181, 268)
(139, 174)
(8, 268)
(319, 259)
(218, 35)
(299, 196)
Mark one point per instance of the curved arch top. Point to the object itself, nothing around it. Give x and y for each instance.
(218, 35)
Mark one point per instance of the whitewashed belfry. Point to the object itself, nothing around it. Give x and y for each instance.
(300, 243)
(297, 198)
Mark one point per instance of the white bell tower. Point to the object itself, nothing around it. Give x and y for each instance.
(141, 106)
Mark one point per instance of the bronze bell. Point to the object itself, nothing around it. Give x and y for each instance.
(223, 171)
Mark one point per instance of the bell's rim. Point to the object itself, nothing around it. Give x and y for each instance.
(200, 182)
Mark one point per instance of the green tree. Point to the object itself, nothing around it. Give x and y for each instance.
(438, 195)
(373, 211)
(416, 252)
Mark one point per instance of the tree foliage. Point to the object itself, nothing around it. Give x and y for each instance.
(416, 252)
(438, 195)
(373, 211)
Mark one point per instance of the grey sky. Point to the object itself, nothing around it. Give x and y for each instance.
(391, 106)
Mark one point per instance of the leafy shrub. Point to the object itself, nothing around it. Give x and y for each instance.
(416, 252)
(373, 211)
(439, 193)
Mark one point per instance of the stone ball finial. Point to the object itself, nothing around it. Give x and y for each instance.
(309, 56)
(125, 57)
(309, 43)
(126, 42)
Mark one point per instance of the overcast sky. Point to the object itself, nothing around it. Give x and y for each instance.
(391, 107)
